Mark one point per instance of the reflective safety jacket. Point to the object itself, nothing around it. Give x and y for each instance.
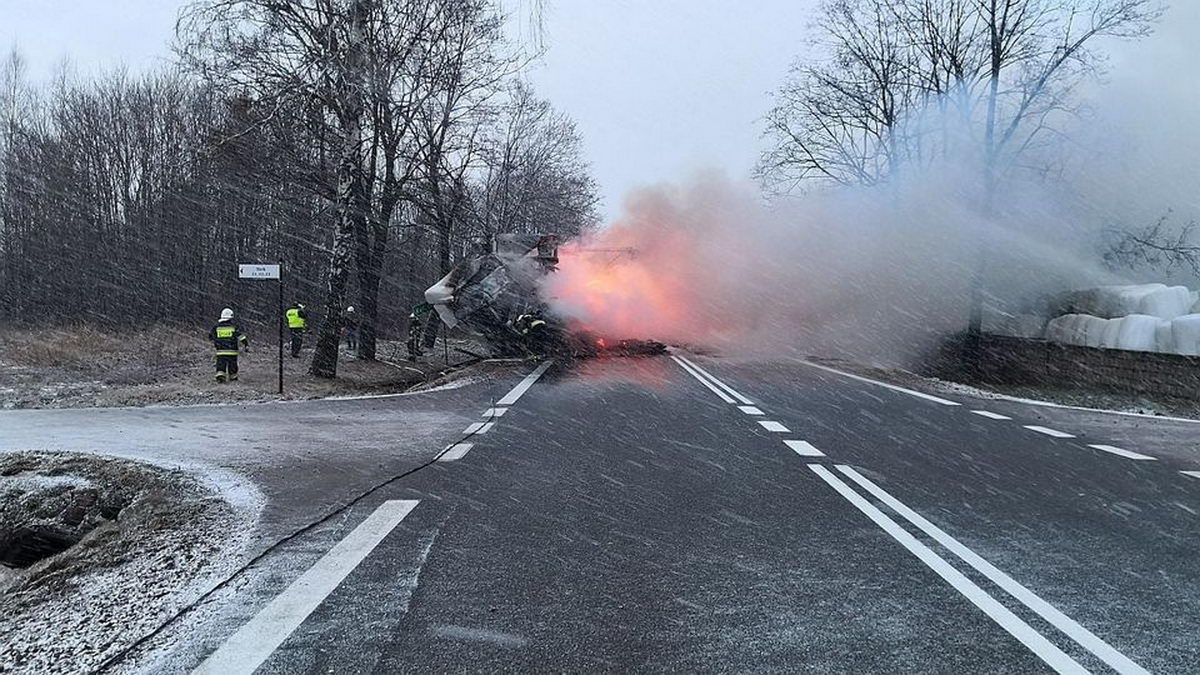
(227, 338)
(296, 318)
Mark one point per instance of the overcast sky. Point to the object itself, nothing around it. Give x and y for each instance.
(660, 88)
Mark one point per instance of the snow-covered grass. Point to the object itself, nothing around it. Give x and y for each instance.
(176, 534)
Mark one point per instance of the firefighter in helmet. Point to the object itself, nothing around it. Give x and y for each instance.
(229, 340)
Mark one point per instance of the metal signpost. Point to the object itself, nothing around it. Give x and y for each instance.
(269, 272)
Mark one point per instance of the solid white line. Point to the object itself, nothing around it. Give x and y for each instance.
(1035, 641)
(1193, 474)
(1051, 614)
(455, 452)
(255, 641)
(524, 385)
(698, 376)
(991, 415)
(495, 412)
(1050, 404)
(1048, 431)
(804, 448)
(750, 410)
(772, 425)
(1122, 452)
(885, 385)
(718, 382)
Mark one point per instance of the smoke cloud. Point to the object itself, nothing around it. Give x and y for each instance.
(884, 274)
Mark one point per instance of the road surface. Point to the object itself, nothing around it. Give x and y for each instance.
(681, 513)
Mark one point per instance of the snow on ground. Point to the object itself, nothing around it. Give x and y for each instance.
(176, 534)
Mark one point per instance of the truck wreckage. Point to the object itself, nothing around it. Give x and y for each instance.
(497, 294)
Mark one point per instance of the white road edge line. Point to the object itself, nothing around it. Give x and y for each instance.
(1035, 641)
(1048, 431)
(455, 452)
(991, 415)
(258, 638)
(750, 410)
(1122, 452)
(1085, 638)
(698, 376)
(804, 448)
(772, 425)
(860, 378)
(1193, 474)
(524, 385)
(717, 382)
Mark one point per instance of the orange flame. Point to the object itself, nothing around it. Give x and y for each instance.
(647, 277)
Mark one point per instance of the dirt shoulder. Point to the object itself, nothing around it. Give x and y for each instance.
(1066, 394)
(167, 364)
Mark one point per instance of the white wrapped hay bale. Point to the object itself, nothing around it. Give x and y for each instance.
(1164, 339)
(1068, 329)
(1137, 332)
(1092, 330)
(1166, 303)
(1185, 334)
(1114, 302)
(1110, 338)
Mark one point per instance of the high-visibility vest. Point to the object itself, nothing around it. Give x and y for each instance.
(294, 319)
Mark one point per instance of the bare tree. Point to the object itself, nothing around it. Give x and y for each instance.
(534, 178)
(913, 81)
(1159, 245)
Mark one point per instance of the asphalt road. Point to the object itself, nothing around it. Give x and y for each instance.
(642, 515)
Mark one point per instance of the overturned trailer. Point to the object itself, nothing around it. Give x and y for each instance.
(488, 292)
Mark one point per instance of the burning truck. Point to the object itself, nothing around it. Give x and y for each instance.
(497, 294)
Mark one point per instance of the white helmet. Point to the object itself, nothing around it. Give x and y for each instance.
(226, 314)
(350, 308)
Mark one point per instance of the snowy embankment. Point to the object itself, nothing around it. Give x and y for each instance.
(140, 542)
(1146, 317)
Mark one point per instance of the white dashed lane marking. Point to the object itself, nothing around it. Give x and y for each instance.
(991, 415)
(456, 452)
(495, 412)
(478, 428)
(750, 410)
(1048, 431)
(772, 425)
(804, 449)
(1193, 474)
(1121, 452)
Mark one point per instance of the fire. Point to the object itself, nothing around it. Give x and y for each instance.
(652, 275)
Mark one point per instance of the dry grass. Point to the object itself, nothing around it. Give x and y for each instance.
(84, 366)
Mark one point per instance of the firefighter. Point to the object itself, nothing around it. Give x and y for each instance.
(416, 322)
(350, 323)
(528, 324)
(228, 340)
(534, 331)
(297, 321)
